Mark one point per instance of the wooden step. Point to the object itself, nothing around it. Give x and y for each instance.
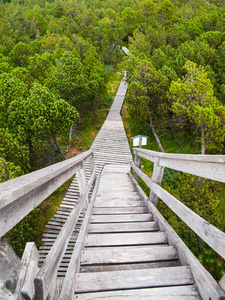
(127, 266)
(119, 210)
(120, 255)
(133, 279)
(121, 218)
(123, 227)
(188, 292)
(122, 239)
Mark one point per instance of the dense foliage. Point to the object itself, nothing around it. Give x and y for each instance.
(55, 58)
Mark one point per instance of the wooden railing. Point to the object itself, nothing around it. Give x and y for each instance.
(208, 166)
(20, 196)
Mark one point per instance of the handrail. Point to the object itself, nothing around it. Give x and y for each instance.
(19, 196)
(208, 166)
(214, 237)
(45, 279)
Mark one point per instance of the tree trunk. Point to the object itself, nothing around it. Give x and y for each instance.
(71, 133)
(203, 141)
(58, 147)
(155, 134)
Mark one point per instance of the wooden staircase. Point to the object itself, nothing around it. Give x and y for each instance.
(108, 240)
(125, 253)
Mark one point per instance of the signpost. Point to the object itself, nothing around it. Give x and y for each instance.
(139, 140)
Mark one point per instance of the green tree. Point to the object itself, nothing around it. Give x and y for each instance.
(147, 95)
(40, 66)
(14, 154)
(42, 115)
(11, 89)
(194, 101)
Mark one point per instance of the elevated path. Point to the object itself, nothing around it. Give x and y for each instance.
(110, 145)
(108, 240)
(125, 254)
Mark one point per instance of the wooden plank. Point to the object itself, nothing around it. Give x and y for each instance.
(68, 284)
(121, 218)
(214, 237)
(123, 227)
(118, 202)
(136, 238)
(127, 266)
(45, 278)
(208, 166)
(120, 255)
(21, 195)
(25, 284)
(206, 284)
(119, 210)
(133, 279)
(184, 292)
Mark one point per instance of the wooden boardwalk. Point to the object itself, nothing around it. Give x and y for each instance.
(110, 147)
(125, 254)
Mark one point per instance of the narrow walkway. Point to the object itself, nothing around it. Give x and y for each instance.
(110, 145)
(125, 254)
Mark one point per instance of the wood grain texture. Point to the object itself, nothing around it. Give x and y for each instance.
(120, 255)
(208, 166)
(118, 239)
(178, 292)
(133, 279)
(123, 227)
(214, 237)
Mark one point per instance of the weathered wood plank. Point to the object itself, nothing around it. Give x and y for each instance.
(118, 210)
(73, 268)
(47, 274)
(117, 202)
(133, 279)
(208, 166)
(123, 227)
(133, 266)
(206, 284)
(119, 255)
(184, 292)
(136, 238)
(25, 285)
(121, 218)
(21, 195)
(214, 237)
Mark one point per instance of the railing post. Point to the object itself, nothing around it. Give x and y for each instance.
(137, 162)
(156, 178)
(81, 178)
(92, 163)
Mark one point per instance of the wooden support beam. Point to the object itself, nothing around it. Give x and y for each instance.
(45, 279)
(21, 195)
(214, 237)
(74, 266)
(156, 178)
(208, 287)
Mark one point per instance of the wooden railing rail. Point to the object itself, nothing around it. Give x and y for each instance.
(19, 196)
(208, 166)
(214, 237)
(46, 277)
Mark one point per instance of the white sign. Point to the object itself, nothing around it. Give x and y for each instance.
(136, 140)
